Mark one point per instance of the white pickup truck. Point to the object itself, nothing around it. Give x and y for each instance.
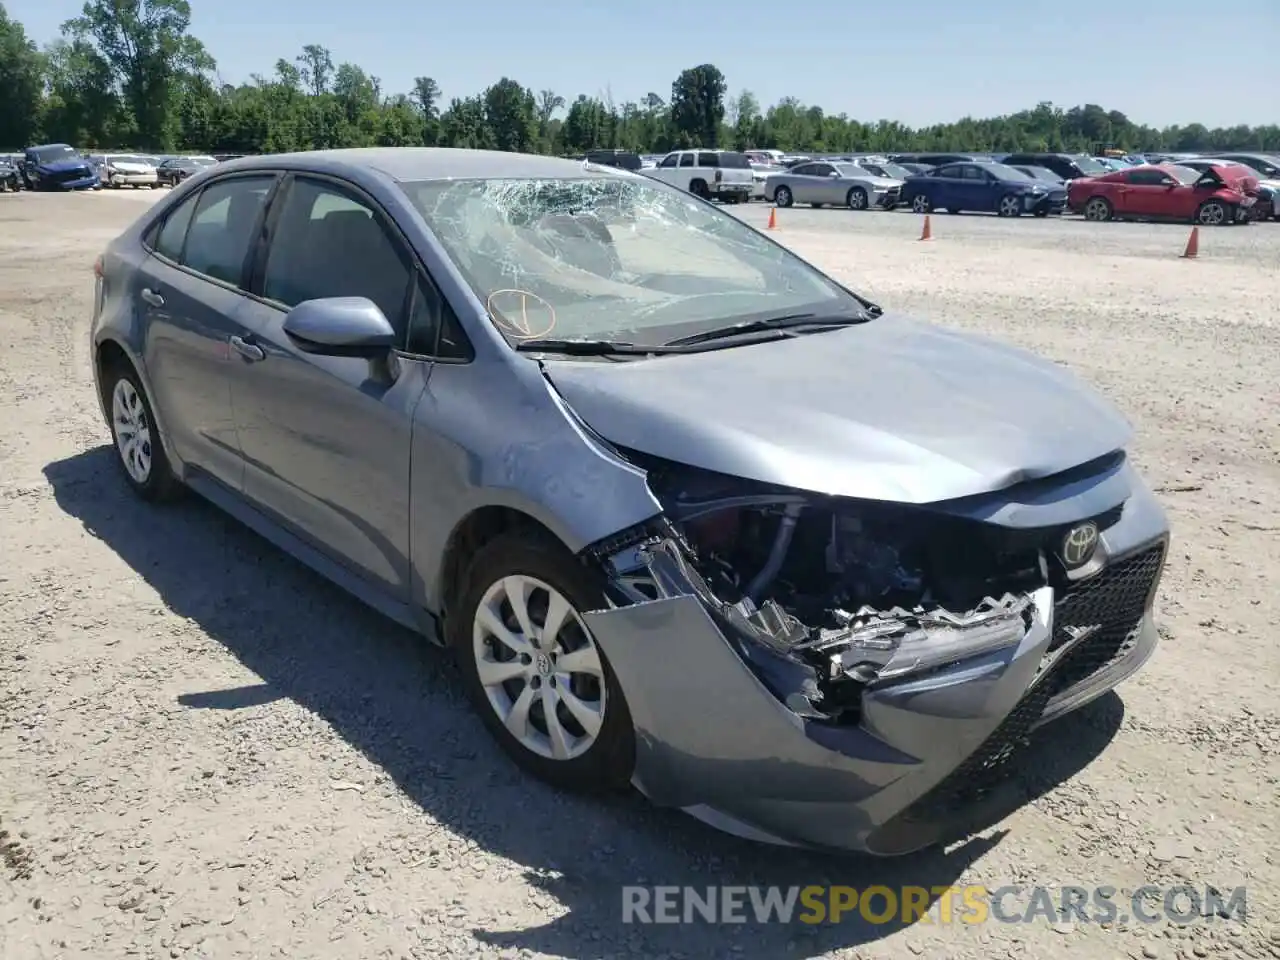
(707, 173)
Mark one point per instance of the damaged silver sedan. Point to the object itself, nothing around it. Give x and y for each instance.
(693, 516)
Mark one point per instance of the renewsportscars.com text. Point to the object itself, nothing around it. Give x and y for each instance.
(972, 904)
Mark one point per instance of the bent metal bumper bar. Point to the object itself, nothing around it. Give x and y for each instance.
(714, 740)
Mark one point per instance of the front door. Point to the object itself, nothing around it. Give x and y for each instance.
(191, 289)
(327, 440)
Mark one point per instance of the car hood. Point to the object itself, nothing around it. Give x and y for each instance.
(889, 410)
(61, 166)
(882, 183)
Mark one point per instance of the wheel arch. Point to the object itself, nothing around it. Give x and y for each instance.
(111, 351)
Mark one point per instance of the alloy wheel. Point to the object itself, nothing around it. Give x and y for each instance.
(782, 197)
(132, 430)
(1010, 207)
(1096, 209)
(1213, 214)
(539, 666)
(920, 203)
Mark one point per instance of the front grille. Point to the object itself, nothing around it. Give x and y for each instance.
(66, 176)
(1111, 604)
(1116, 601)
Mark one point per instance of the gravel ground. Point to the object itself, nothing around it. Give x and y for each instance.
(205, 751)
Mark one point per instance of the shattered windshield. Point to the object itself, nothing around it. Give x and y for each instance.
(52, 153)
(613, 257)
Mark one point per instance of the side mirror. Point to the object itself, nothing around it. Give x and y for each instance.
(340, 327)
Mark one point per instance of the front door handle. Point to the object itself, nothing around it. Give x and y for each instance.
(152, 297)
(248, 350)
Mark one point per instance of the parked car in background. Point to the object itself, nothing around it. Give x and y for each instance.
(173, 170)
(1266, 166)
(1044, 174)
(935, 159)
(1216, 197)
(57, 166)
(767, 158)
(820, 183)
(1268, 205)
(722, 174)
(121, 170)
(1069, 166)
(622, 159)
(10, 176)
(982, 187)
(884, 167)
(760, 173)
(658, 501)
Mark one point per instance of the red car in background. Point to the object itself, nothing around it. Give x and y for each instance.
(1218, 196)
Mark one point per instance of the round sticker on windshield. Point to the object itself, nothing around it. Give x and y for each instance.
(521, 314)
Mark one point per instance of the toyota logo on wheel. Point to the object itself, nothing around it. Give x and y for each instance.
(1078, 545)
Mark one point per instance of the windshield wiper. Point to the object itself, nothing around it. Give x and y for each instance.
(592, 348)
(790, 321)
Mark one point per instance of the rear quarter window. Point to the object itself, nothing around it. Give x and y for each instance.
(734, 161)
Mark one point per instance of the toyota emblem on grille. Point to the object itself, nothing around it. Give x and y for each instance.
(1078, 545)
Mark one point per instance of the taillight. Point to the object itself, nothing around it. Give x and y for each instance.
(97, 267)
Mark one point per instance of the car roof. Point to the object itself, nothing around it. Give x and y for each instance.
(423, 163)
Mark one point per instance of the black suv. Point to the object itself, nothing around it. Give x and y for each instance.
(1068, 166)
(622, 159)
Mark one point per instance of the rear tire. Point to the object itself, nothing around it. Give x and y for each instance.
(542, 575)
(139, 450)
(1098, 209)
(699, 189)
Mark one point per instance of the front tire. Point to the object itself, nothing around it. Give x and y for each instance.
(857, 199)
(139, 451)
(782, 197)
(1010, 206)
(535, 673)
(1213, 213)
(920, 203)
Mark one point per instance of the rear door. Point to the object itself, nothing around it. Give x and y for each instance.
(327, 440)
(192, 289)
(946, 187)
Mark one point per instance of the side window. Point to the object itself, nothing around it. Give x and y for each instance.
(708, 160)
(669, 160)
(804, 170)
(174, 232)
(224, 226)
(326, 243)
(950, 171)
(434, 330)
(821, 170)
(686, 159)
(1147, 178)
(975, 173)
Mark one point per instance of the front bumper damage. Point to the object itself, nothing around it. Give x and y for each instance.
(725, 719)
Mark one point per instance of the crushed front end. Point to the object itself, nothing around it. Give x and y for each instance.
(849, 674)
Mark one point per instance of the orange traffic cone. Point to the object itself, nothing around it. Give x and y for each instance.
(773, 218)
(1193, 245)
(927, 232)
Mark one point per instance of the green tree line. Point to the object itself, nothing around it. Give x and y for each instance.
(130, 74)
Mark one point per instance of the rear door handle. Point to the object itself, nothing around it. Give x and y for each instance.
(152, 297)
(248, 350)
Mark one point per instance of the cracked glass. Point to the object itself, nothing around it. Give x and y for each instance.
(612, 257)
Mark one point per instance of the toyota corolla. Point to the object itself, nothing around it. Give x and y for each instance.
(693, 516)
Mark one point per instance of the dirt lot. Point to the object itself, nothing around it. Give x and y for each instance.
(205, 751)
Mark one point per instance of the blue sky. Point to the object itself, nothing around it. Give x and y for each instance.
(918, 61)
